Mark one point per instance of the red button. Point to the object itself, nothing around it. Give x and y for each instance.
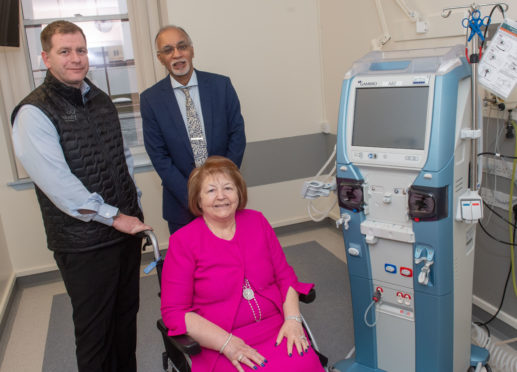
(406, 271)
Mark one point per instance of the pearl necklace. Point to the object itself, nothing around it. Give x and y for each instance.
(248, 294)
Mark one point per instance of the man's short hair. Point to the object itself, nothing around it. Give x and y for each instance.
(172, 27)
(57, 27)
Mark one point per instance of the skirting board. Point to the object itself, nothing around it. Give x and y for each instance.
(6, 297)
(491, 309)
(37, 270)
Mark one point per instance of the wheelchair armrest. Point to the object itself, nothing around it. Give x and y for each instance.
(189, 346)
(309, 297)
(184, 343)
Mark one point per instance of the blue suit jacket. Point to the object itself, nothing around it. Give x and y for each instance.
(166, 138)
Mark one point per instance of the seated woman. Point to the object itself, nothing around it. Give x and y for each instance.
(226, 282)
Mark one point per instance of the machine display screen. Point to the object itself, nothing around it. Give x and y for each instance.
(391, 117)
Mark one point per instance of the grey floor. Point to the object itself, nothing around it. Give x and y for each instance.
(22, 342)
(24, 334)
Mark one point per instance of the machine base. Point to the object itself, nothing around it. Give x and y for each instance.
(477, 354)
(349, 365)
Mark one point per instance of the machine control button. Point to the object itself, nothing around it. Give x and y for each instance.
(406, 271)
(353, 252)
(477, 212)
(466, 210)
(387, 198)
(389, 268)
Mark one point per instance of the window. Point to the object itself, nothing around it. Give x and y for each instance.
(110, 49)
(120, 37)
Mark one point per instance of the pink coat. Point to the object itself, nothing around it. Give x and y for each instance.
(204, 274)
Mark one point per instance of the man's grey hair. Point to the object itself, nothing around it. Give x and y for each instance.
(172, 27)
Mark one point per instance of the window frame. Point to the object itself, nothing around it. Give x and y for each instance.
(17, 80)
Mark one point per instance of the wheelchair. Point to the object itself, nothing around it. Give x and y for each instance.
(178, 349)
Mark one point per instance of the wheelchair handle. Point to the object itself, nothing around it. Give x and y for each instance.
(150, 239)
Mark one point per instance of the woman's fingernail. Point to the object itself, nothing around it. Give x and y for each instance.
(255, 367)
(262, 365)
(307, 350)
(301, 354)
(265, 360)
(290, 355)
(276, 343)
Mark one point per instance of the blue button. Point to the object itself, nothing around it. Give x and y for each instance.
(389, 268)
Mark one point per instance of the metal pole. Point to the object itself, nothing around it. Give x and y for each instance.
(474, 58)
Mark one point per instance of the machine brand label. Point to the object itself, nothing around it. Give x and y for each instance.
(367, 83)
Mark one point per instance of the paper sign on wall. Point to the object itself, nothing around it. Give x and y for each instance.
(498, 68)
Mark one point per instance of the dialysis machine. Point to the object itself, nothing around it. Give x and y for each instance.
(408, 213)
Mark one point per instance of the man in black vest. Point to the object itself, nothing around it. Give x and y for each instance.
(67, 135)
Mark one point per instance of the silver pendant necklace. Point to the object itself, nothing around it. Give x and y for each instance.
(248, 294)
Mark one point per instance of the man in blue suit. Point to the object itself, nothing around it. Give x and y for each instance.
(167, 110)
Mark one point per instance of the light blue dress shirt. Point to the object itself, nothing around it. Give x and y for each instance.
(36, 144)
(193, 88)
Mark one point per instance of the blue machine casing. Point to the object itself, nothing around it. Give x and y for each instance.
(437, 331)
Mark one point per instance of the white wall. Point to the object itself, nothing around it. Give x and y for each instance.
(270, 50)
(7, 274)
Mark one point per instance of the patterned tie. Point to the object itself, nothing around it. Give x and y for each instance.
(195, 132)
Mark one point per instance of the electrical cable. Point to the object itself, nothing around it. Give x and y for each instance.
(497, 6)
(493, 237)
(502, 299)
(498, 215)
(485, 323)
(495, 154)
(510, 210)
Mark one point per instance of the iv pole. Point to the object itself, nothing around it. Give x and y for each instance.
(473, 60)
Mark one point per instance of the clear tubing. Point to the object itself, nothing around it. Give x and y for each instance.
(314, 213)
(502, 357)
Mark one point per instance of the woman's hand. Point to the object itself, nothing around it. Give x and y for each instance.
(292, 330)
(237, 352)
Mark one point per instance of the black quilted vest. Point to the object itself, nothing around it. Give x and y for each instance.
(91, 139)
